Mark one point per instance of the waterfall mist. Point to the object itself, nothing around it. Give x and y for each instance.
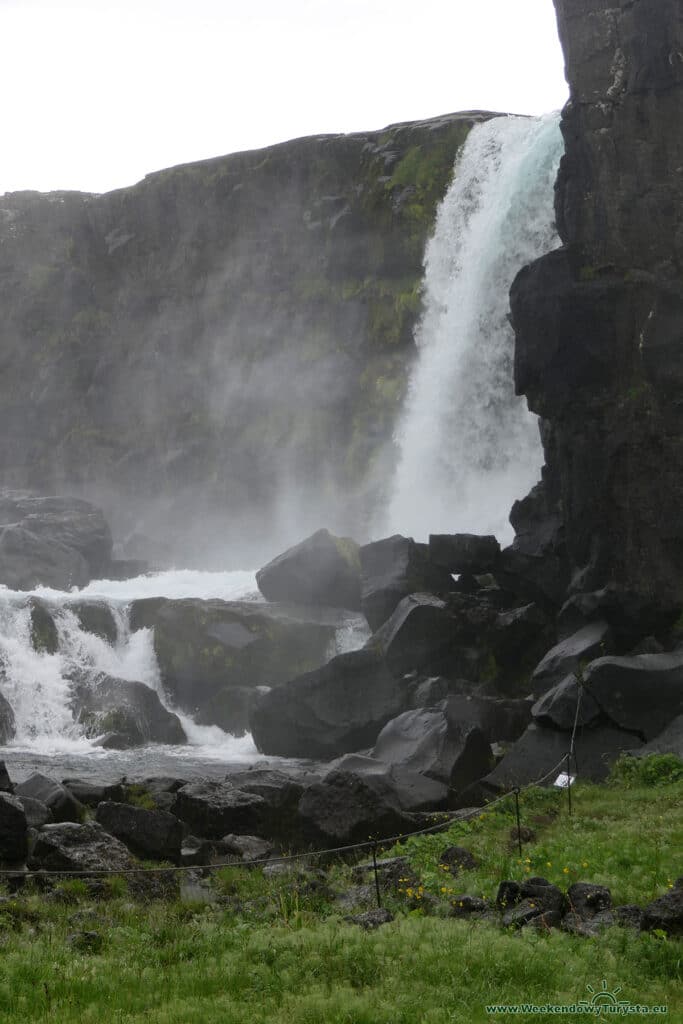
(468, 446)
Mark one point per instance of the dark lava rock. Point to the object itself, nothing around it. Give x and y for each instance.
(350, 808)
(558, 707)
(130, 710)
(540, 749)
(569, 655)
(248, 848)
(57, 542)
(229, 709)
(7, 721)
(62, 804)
(670, 741)
(587, 900)
(464, 905)
(418, 636)
(413, 790)
(13, 830)
(587, 927)
(509, 893)
(598, 321)
(339, 708)
(44, 637)
(393, 873)
(457, 858)
(90, 794)
(523, 913)
(96, 617)
(629, 915)
(37, 813)
(156, 835)
(206, 647)
(430, 741)
(321, 570)
(466, 553)
(6, 784)
(372, 919)
(643, 693)
(543, 894)
(72, 847)
(665, 913)
(213, 809)
(392, 569)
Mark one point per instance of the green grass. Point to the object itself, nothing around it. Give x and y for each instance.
(277, 949)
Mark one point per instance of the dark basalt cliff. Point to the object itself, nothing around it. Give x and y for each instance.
(599, 323)
(224, 337)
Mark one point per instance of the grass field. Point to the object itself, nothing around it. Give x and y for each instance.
(273, 950)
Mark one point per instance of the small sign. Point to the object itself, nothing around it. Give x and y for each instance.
(563, 780)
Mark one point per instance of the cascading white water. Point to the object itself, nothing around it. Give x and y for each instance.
(468, 446)
(38, 685)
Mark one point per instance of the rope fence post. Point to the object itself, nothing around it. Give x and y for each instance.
(519, 826)
(569, 782)
(374, 866)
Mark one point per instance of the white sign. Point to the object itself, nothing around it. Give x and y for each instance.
(563, 781)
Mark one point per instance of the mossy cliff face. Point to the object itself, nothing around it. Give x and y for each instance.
(224, 336)
(600, 322)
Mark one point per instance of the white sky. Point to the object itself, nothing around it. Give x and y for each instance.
(96, 93)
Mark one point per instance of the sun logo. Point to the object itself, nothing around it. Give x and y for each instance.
(604, 996)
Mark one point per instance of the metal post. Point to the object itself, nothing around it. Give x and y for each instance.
(519, 827)
(374, 864)
(569, 782)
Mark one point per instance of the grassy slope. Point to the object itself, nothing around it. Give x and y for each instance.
(288, 958)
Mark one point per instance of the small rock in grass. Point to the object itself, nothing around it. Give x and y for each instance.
(371, 919)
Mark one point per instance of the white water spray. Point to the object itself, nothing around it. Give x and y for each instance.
(468, 446)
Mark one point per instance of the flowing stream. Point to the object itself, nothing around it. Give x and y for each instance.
(468, 446)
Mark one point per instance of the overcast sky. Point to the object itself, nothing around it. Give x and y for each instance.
(96, 93)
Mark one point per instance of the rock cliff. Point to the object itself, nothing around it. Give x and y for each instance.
(226, 343)
(599, 323)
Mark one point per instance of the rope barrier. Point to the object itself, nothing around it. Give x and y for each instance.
(372, 844)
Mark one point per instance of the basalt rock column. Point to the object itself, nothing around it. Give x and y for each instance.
(599, 323)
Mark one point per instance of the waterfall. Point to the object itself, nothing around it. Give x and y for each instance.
(468, 446)
(38, 684)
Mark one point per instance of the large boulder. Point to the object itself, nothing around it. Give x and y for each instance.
(337, 709)
(665, 913)
(391, 569)
(58, 542)
(96, 617)
(466, 553)
(570, 655)
(418, 636)
(670, 741)
(205, 647)
(129, 712)
(347, 807)
(61, 803)
(321, 570)
(27, 561)
(432, 742)
(540, 749)
(213, 809)
(44, 635)
(72, 847)
(560, 707)
(152, 834)
(643, 693)
(13, 830)
(413, 790)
